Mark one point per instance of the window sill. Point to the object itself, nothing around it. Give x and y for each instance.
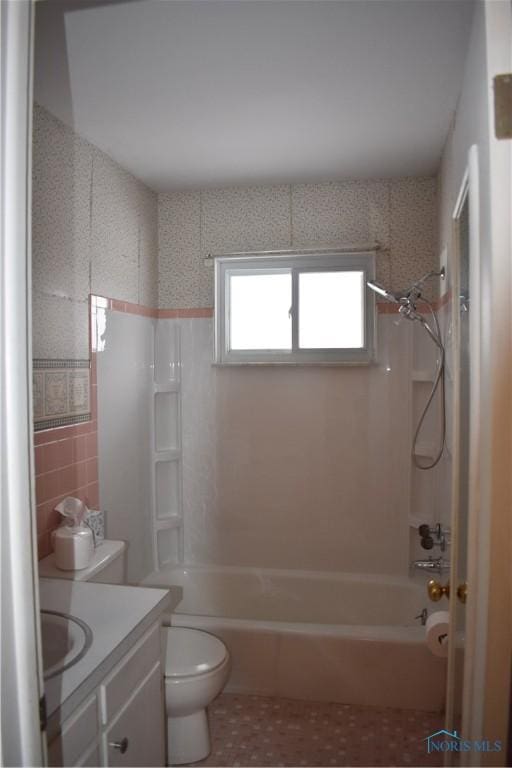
(297, 364)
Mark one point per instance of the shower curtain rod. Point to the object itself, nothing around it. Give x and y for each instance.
(359, 248)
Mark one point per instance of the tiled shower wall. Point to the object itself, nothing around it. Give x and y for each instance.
(299, 468)
(94, 230)
(399, 213)
(303, 467)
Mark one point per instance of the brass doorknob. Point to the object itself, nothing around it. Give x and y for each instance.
(462, 592)
(436, 590)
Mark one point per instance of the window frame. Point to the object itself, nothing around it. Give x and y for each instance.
(295, 262)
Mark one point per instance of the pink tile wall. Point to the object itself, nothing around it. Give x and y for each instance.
(66, 464)
(138, 309)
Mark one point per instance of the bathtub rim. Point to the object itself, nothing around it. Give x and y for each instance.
(392, 580)
(364, 632)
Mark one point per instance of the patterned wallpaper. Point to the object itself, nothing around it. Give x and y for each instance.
(97, 229)
(400, 213)
(94, 231)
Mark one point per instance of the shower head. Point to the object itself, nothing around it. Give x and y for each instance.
(407, 300)
(389, 295)
(407, 296)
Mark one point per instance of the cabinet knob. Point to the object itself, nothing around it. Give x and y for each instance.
(122, 745)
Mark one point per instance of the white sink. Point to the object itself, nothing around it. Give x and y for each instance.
(65, 639)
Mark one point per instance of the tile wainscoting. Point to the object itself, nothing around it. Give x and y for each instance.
(66, 464)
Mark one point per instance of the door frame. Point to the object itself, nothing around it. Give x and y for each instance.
(22, 740)
(469, 193)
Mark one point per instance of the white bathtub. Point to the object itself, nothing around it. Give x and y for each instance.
(347, 638)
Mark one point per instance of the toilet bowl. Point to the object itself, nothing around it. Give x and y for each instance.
(196, 670)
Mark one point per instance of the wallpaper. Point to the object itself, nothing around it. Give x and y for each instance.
(94, 230)
(98, 229)
(399, 213)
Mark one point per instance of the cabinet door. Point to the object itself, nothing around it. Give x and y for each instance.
(78, 733)
(141, 724)
(91, 759)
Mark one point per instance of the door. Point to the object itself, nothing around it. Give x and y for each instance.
(482, 553)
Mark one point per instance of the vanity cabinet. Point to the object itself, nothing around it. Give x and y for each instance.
(138, 727)
(122, 722)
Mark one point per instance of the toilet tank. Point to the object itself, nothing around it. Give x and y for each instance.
(107, 565)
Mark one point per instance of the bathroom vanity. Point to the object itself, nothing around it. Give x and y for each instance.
(108, 709)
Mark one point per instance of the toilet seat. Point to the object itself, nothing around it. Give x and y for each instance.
(192, 652)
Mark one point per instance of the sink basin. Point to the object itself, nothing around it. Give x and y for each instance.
(65, 639)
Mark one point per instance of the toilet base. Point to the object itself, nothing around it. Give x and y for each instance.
(188, 738)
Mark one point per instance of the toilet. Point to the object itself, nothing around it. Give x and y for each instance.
(196, 663)
(196, 670)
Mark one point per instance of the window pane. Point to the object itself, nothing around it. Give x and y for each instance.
(260, 311)
(331, 310)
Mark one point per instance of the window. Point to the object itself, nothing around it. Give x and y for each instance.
(286, 308)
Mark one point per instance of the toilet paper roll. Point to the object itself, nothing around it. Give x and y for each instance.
(436, 633)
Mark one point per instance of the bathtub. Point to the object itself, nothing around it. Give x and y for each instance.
(344, 638)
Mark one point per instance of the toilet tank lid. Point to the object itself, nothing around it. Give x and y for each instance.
(191, 652)
(106, 552)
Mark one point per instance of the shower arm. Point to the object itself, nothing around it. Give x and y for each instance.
(433, 273)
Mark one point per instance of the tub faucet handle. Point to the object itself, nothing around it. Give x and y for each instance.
(434, 536)
(426, 540)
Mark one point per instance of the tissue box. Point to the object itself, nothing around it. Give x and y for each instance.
(96, 520)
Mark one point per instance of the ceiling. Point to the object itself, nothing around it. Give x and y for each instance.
(196, 93)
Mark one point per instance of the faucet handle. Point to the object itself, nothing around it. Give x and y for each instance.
(434, 536)
(426, 540)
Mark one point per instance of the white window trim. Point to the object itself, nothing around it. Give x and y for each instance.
(252, 263)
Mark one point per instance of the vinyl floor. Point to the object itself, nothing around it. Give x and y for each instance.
(263, 731)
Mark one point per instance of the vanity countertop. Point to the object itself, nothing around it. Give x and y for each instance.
(117, 615)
